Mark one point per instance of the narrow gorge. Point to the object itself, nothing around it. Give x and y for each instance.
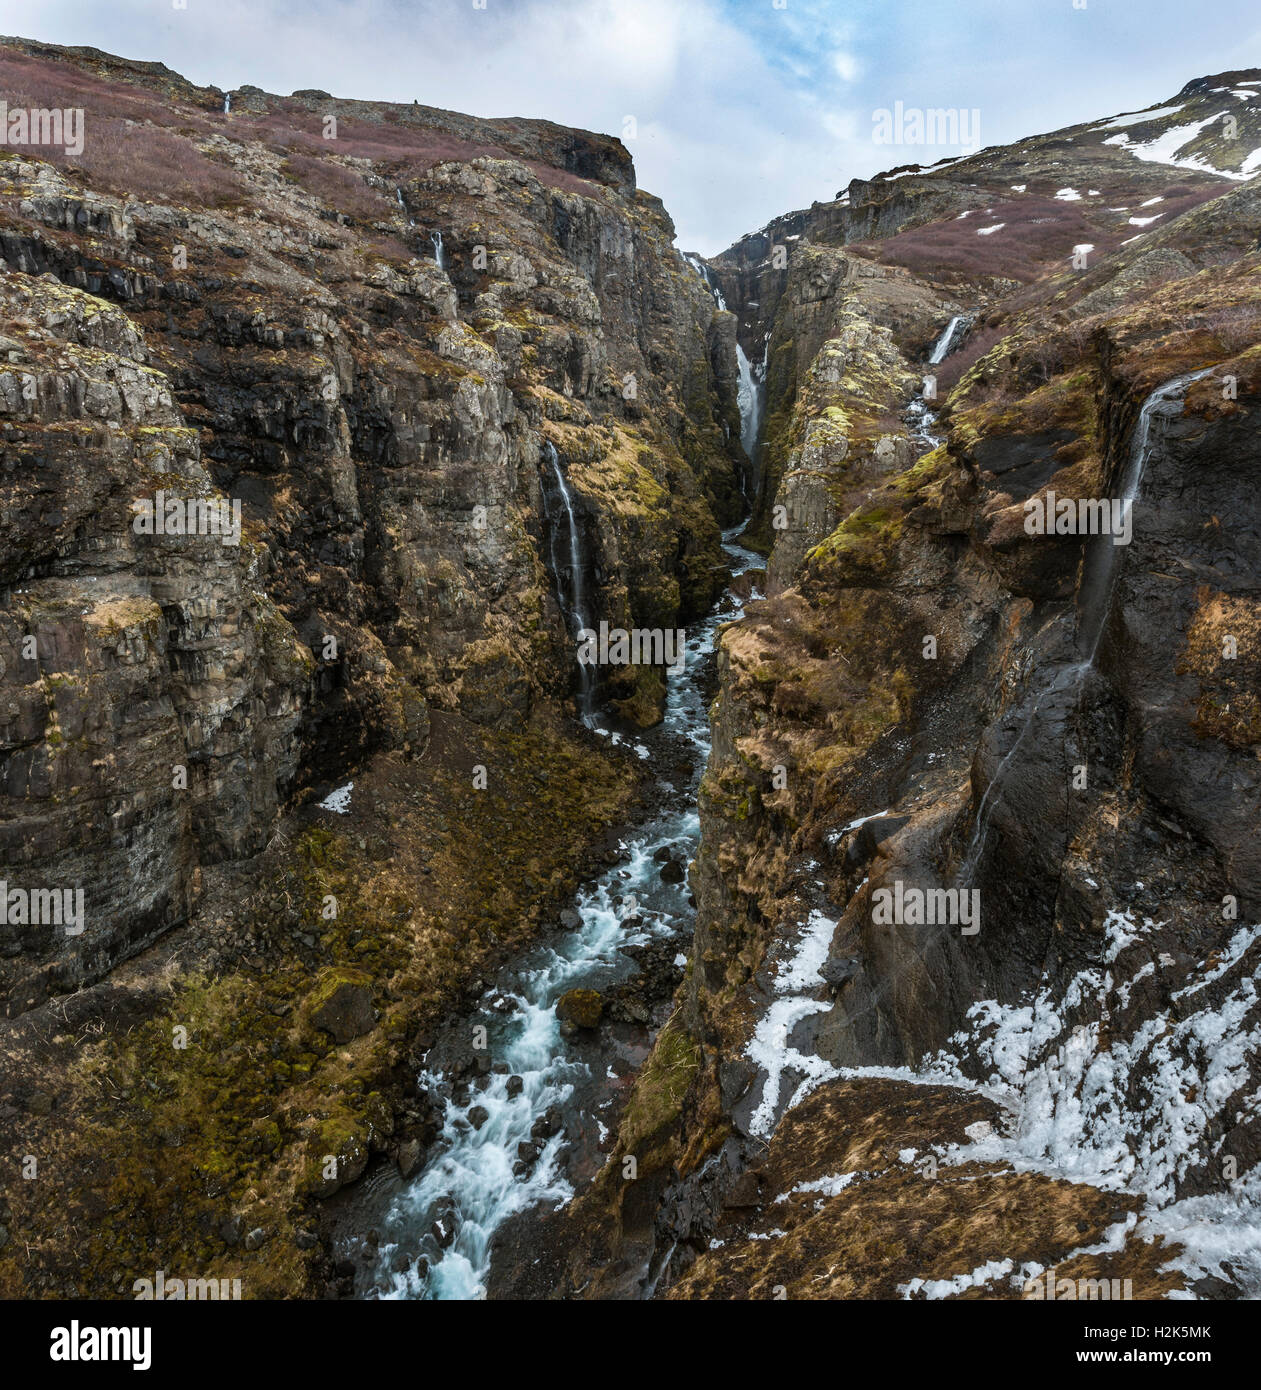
(876, 915)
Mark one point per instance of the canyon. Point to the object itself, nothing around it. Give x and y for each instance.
(900, 942)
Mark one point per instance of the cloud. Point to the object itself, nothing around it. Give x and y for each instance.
(744, 110)
(845, 65)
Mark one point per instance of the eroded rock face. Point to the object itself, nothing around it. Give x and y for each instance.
(919, 707)
(152, 692)
(379, 418)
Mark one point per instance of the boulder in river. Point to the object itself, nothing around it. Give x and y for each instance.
(408, 1158)
(581, 1007)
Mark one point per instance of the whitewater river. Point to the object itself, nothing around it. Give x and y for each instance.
(552, 1093)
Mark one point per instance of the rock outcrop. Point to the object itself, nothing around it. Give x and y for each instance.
(357, 330)
(936, 712)
(375, 416)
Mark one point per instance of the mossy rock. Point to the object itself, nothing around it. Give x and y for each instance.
(581, 1007)
(341, 1004)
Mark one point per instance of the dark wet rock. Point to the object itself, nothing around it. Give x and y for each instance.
(735, 1075)
(839, 971)
(408, 1159)
(478, 1116)
(672, 871)
(515, 1085)
(550, 1122)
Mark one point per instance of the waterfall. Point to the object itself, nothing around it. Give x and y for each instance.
(398, 193)
(1095, 597)
(1098, 570)
(436, 239)
(749, 399)
(949, 339)
(567, 568)
(227, 103)
(752, 380)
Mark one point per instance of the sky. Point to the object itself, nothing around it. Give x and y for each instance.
(735, 110)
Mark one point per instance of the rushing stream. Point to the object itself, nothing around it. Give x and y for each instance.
(510, 1136)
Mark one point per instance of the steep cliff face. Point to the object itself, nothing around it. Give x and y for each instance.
(935, 712)
(367, 328)
(292, 345)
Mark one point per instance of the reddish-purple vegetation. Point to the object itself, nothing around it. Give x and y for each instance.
(1036, 232)
(138, 143)
(129, 147)
(339, 187)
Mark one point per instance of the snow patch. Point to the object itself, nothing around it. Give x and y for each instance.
(339, 800)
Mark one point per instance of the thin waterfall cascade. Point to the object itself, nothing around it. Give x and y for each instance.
(398, 193)
(438, 253)
(227, 103)
(568, 569)
(1098, 582)
(951, 336)
(1096, 594)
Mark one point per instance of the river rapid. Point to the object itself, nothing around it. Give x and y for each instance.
(525, 1103)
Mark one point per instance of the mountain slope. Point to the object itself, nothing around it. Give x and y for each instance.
(366, 327)
(932, 700)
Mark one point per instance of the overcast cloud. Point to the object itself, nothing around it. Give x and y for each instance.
(742, 109)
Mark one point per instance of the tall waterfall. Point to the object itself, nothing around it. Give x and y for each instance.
(1096, 594)
(751, 391)
(1099, 568)
(227, 103)
(436, 239)
(749, 398)
(567, 567)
